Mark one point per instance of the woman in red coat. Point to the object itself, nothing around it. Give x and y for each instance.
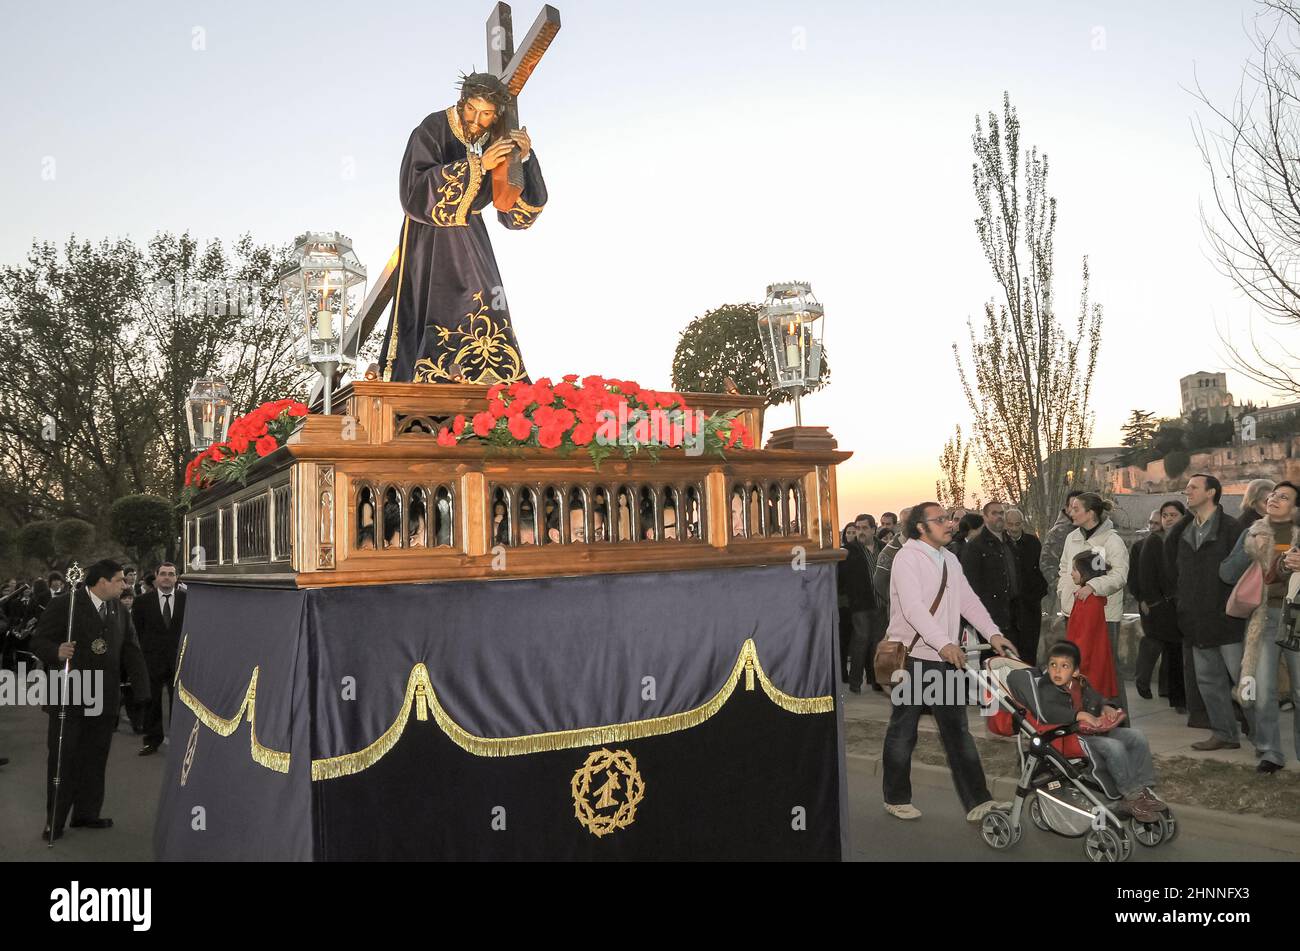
(1087, 628)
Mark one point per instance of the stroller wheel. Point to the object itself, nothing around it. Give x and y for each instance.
(1036, 815)
(1108, 844)
(1149, 834)
(998, 832)
(1171, 826)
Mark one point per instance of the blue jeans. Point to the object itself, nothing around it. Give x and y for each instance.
(1217, 671)
(1268, 727)
(1127, 757)
(958, 745)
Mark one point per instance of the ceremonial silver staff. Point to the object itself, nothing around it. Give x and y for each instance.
(73, 578)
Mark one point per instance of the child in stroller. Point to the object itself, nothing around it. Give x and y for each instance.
(1075, 780)
(1064, 695)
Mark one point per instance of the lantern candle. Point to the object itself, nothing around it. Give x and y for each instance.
(792, 348)
(209, 420)
(324, 319)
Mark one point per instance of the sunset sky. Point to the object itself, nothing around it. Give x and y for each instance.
(694, 152)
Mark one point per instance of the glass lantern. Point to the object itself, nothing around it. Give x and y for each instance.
(207, 413)
(317, 287)
(791, 328)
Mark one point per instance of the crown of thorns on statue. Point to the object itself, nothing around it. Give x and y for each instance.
(484, 86)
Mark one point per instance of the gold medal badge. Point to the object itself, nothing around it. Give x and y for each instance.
(606, 790)
(99, 646)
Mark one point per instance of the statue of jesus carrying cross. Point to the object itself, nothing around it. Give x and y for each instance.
(449, 321)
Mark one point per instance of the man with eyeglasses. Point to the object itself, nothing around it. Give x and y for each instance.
(929, 595)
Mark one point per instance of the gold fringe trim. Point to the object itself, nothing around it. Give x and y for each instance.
(419, 690)
(524, 206)
(180, 659)
(262, 755)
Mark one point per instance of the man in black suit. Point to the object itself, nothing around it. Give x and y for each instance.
(159, 617)
(990, 567)
(1027, 606)
(103, 643)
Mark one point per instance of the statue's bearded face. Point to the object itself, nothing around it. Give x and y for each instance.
(477, 116)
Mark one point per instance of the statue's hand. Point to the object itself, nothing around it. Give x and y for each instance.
(496, 153)
(521, 139)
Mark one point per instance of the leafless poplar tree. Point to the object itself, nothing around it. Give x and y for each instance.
(1029, 378)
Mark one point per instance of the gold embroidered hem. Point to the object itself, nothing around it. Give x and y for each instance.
(522, 215)
(419, 690)
(481, 345)
(262, 755)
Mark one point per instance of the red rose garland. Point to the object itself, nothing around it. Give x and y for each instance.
(249, 438)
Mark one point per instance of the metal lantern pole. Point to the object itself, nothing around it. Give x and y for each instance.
(73, 578)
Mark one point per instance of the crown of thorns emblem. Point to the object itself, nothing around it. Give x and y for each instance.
(612, 780)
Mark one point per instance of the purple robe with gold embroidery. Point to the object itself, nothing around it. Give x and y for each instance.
(449, 306)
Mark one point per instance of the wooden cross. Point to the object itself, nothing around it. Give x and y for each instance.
(512, 68)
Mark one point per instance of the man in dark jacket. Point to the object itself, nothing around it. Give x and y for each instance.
(990, 567)
(159, 617)
(1027, 605)
(1159, 629)
(1194, 548)
(1160, 594)
(855, 575)
(1147, 653)
(884, 564)
(103, 644)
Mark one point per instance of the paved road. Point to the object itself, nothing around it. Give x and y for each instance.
(943, 833)
(134, 784)
(132, 787)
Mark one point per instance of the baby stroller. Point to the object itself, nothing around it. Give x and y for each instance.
(1064, 790)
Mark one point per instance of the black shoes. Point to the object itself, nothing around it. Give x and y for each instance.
(855, 688)
(1268, 767)
(1144, 690)
(91, 823)
(149, 749)
(45, 834)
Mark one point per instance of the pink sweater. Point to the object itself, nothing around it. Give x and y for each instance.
(913, 583)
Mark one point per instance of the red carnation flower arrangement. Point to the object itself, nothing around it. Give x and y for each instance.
(250, 437)
(603, 416)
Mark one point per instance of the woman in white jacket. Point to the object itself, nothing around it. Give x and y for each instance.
(1094, 531)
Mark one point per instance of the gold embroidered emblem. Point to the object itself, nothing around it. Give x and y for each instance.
(190, 746)
(99, 646)
(606, 791)
(480, 345)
